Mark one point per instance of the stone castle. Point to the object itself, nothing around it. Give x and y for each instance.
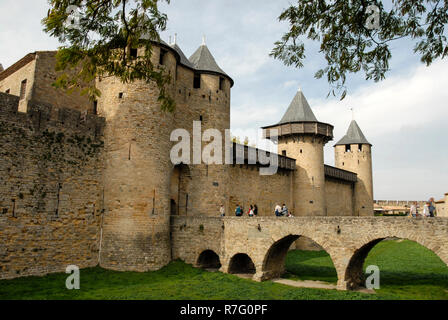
(90, 183)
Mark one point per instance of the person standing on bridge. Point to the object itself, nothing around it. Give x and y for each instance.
(222, 211)
(284, 210)
(426, 210)
(278, 210)
(413, 210)
(238, 211)
(432, 208)
(250, 213)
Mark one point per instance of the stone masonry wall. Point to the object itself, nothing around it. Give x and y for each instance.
(248, 187)
(50, 188)
(190, 236)
(339, 198)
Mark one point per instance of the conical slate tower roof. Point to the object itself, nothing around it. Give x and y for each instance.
(354, 136)
(299, 110)
(203, 60)
(183, 58)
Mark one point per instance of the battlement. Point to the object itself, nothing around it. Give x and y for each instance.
(41, 116)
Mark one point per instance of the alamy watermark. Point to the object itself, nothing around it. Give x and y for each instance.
(73, 280)
(373, 20)
(188, 150)
(373, 280)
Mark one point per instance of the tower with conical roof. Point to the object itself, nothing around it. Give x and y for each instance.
(354, 153)
(302, 137)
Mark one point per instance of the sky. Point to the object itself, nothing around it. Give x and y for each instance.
(405, 117)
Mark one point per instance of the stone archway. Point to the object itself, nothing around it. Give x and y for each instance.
(208, 259)
(355, 277)
(275, 258)
(241, 263)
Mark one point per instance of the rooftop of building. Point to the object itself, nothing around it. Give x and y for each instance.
(354, 135)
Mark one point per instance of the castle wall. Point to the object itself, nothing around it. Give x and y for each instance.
(247, 186)
(50, 188)
(339, 198)
(45, 75)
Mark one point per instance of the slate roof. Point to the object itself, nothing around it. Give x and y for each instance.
(183, 59)
(299, 111)
(203, 60)
(354, 136)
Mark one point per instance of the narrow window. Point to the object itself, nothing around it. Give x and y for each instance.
(284, 153)
(95, 107)
(120, 95)
(347, 148)
(221, 83)
(134, 53)
(8, 91)
(200, 118)
(197, 81)
(360, 147)
(162, 56)
(23, 89)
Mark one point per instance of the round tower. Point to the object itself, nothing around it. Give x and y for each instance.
(354, 153)
(203, 95)
(136, 219)
(302, 137)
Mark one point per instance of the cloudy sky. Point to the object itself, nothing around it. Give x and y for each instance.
(405, 117)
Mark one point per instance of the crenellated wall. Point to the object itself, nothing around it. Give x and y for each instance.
(50, 188)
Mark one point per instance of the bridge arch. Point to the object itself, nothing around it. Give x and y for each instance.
(354, 277)
(274, 260)
(208, 259)
(241, 263)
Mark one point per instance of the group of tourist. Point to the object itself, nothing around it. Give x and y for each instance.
(429, 209)
(252, 212)
(239, 211)
(282, 211)
(279, 211)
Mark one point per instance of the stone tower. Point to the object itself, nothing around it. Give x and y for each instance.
(136, 219)
(302, 137)
(354, 153)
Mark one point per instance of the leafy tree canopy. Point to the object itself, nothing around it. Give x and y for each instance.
(97, 38)
(350, 41)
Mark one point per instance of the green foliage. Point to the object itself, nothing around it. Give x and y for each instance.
(100, 44)
(347, 43)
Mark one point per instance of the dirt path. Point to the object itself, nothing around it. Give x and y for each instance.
(315, 285)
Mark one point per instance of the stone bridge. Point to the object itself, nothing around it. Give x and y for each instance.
(259, 245)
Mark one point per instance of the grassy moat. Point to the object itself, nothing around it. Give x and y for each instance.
(408, 271)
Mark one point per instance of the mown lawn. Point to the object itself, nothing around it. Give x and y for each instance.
(177, 281)
(407, 269)
(408, 272)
